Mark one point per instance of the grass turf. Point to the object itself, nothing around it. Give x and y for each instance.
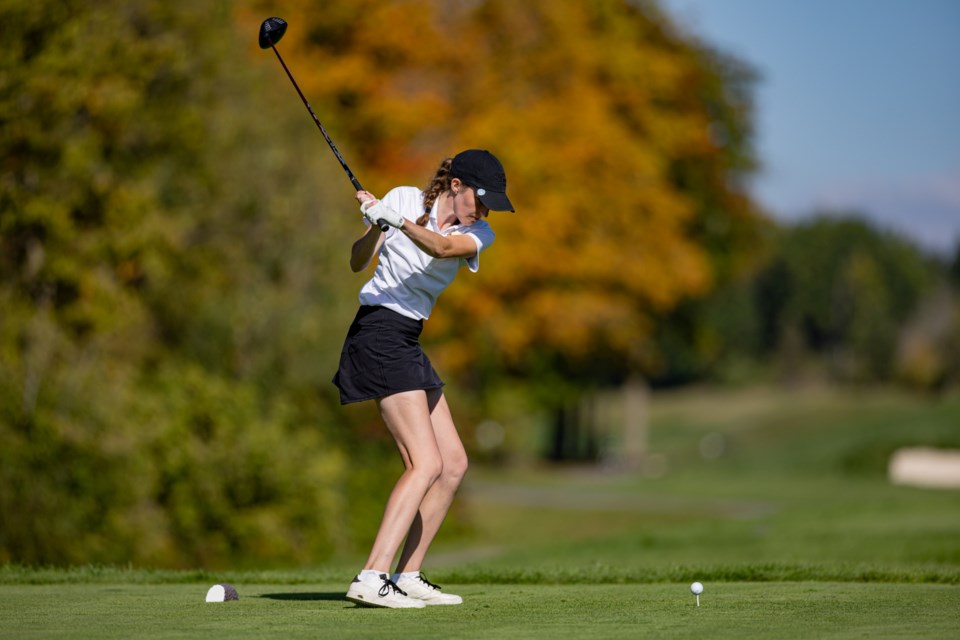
(728, 610)
(794, 530)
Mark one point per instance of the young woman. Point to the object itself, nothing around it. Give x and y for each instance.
(431, 234)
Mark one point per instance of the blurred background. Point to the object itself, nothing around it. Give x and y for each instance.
(686, 321)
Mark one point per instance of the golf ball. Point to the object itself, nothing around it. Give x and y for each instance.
(696, 588)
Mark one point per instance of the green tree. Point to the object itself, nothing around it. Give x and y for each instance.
(845, 288)
(171, 310)
(954, 266)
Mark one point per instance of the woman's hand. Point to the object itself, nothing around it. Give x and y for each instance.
(380, 214)
(364, 197)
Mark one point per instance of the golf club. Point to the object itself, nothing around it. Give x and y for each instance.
(271, 31)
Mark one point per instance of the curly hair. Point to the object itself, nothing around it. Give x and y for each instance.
(438, 184)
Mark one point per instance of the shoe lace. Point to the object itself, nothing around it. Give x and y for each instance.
(427, 582)
(389, 586)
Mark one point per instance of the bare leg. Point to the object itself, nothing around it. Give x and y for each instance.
(436, 503)
(407, 416)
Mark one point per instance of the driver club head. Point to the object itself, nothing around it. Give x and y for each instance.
(271, 31)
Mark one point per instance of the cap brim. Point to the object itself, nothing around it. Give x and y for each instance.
(496, 201)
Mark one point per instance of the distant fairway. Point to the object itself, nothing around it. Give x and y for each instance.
(794, 531)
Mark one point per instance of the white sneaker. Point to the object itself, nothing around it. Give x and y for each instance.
(425, 591)
(387, 594)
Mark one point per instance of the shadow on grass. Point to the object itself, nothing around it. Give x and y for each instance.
(307, 596)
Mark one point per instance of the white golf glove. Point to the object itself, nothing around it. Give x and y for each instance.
(375, 211)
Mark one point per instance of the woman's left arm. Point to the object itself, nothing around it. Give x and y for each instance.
(430, 242)
(440, 246)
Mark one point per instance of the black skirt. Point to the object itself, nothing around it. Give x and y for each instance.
(382, 356)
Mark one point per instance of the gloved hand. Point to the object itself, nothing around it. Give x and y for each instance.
(377, 212)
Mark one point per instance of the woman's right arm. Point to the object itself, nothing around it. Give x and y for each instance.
(368, 244)
(364, 248)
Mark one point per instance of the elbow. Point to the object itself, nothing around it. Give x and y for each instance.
(449, 253)
(442, 251)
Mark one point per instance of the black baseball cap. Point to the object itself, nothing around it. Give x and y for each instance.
(481, 170)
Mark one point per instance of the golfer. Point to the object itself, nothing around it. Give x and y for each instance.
(431, 234)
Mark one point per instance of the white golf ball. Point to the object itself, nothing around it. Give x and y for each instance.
(696, 588)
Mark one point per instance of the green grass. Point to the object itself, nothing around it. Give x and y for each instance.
(794, 530)
(728, 610)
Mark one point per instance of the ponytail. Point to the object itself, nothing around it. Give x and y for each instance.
(438, 184)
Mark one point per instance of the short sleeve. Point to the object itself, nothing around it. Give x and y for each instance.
(483, 235)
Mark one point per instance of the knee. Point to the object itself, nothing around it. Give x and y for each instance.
(429, 471)
(455, 469)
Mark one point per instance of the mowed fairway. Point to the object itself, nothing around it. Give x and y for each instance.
(728, 610)
(793, 529)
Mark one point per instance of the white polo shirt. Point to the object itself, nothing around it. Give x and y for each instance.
(406, 279)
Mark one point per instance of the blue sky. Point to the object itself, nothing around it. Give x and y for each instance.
(858, 106)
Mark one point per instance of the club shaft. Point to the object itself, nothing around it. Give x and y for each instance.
(326, 136)
(353, 179)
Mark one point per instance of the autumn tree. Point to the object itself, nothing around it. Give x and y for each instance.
(626, 144)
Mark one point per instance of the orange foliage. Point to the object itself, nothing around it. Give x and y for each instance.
(588, 104)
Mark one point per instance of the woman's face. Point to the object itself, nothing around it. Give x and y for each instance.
(466, 206)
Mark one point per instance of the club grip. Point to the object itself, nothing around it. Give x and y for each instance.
(380, 223)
